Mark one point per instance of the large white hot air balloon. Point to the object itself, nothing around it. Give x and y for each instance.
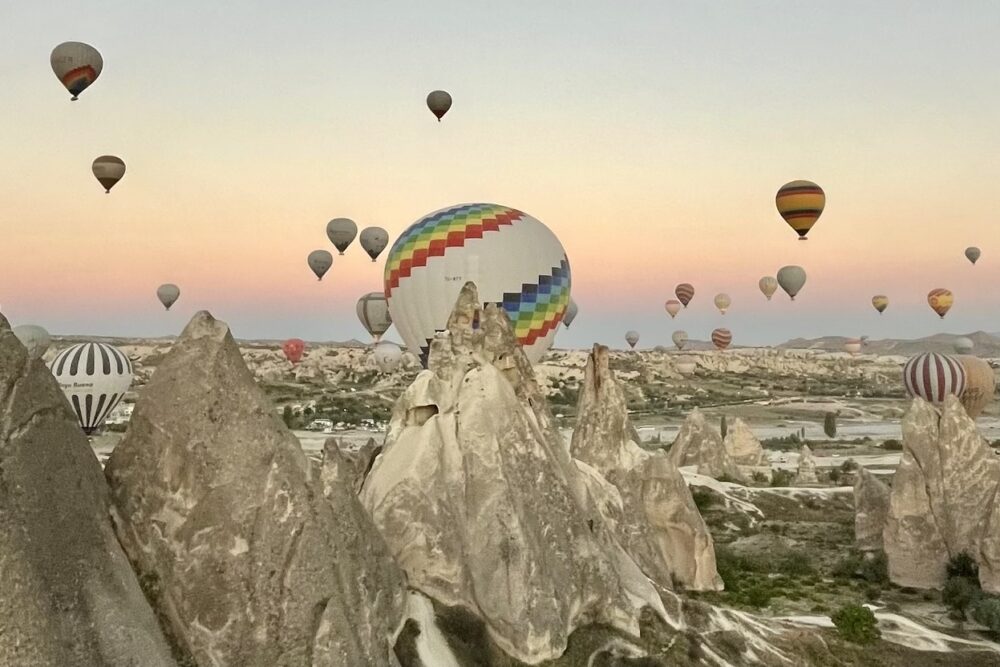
(94, 377)
(513, 259)
(373, 311)
(722, 302)
(77, 65)
(387, 356)
(964, 345)
(35, 338)
(373, 240)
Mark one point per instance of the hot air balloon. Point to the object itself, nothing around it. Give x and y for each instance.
(673, 307)
(94, 377)
(964, 345)
(108, 169)
(293, 349)
(940, 301)
(632, 337)
(972, 253)
(686, 367)
(880, 302)
(341, 232)
(168, 293)
(980, 385)
(791, 279)
(932, 376)
(800, 203)
(373, 311)
(721, 338)
(853, 346)
(374, 240)
(768, 285)
(387, 356)
(320, 262)
(571, 310)
(438, 101)
(684, 293)
(77, 65)
(680, 339)
(34, 338)
(513, 259)
(722, 302)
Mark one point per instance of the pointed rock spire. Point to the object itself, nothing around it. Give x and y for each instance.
(871, 508)
(699, 444)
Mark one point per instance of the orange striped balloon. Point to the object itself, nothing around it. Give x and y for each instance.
(800, 203)
(722, 338)
(880, 302)
(940, 301)
(684, 292)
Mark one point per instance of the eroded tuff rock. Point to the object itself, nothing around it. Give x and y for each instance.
(699, 444)
(256, 562)
(743, 446)
(805, 472)
(67, 594)
(871, 508)
(943, 499)
(659, 524)
(350, 466)
(484, 509)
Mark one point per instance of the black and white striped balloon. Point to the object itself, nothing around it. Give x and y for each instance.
(94, 377)
(933, 376)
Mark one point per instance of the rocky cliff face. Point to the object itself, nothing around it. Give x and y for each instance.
(871, 508)
(484, 509)
(699, 444)
(255, 561)
(743, 446)
(943, 499)
(67, 594)
(659, 524)
(805, 472)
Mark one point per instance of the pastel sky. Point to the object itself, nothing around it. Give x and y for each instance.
(650, 136)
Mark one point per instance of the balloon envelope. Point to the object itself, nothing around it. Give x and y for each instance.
(684, 293)
(438, 101)
(631, 337)
(768, 285)
(76, 65)
(972, 253)
(373, 311)
(341, 232)
(35, 338)
(964, 345)
(320, 262)
(722, 302)
(513, 259)
(374, 240)
(980, 385)
(94, 377)
(108, 170)
(387, 356)
(880, 302)
(933, 376)
(686, 367)
(791, 279)
(673, 307)
(571, 310)
(293, 349)
(680, 339)
(800, 203)
(168, 293)
(940, 300)
(853, 346)
(721, 338)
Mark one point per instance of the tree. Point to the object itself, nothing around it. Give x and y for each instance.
(856, 624)
(963, 565)
(987, 611)
(723, 426)
(830, 424)
(959, 594)
(287, 416)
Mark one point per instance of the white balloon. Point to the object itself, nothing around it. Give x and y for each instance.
(77, 65)
(94, 377)
(387, 356)
(34, 338)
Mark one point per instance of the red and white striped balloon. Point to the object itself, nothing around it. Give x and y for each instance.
(722, 338)
(933, 376)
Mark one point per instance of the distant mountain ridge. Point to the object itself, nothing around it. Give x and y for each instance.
(249, 342)
(986, 344)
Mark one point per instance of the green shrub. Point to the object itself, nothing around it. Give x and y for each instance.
(875, 569)
(781, 477)
(759, 478)
(892, 445)
(963, 565)
(795, 563)
(850, 465)
(856, 624)
(959, 594)
(723, 426)
(830, 424)
(703, 498)
(986, 610)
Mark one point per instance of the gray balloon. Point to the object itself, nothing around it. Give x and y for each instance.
(632, 337)
(341, 232)
(972, 253)
(373, 311)
(964, 345)
(680, 339)
(374, 240)
(33, 337)
(320, 262)
(791, 279)
(439, 101)
(571, 310)
(168, 293)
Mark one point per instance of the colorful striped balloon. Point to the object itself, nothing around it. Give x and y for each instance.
(940, 301)
(94, 377)
(684, 293)
(880, 302)
(933, 376)
(721, 338)
(800, 203)
(77, 65)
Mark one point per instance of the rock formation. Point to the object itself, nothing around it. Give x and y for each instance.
(743, 446)
(351, 466)
(484, 509)
(943, 499)
(805, 472)
(659, 524)
(980, 385)
(871, 508)
(67, 594)
(255, 562)
(699, 444)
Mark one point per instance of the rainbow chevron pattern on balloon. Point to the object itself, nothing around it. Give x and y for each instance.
(539, 308)
(433, 235)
